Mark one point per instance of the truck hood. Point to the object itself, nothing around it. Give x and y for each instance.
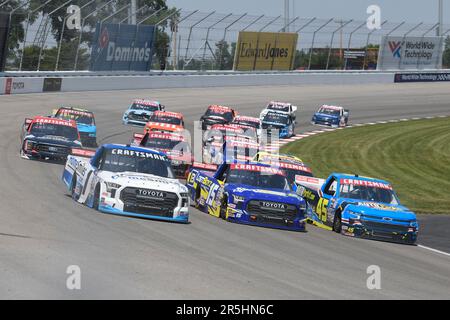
(140, 180)
(382, 210)
(54, 140)
(250, 193)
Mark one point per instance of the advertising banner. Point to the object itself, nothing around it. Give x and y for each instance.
(122, 47)
(4, 24)
(422, 77)
(410, 53)
(265, 51)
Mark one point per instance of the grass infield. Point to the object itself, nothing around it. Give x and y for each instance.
(413, 155)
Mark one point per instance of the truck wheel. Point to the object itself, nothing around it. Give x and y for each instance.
(96, 197)
(72, 189)
(197, 196)
(223, 208)
(337, 223)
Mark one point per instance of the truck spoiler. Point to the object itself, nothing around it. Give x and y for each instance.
(85, 153)
(309, 182)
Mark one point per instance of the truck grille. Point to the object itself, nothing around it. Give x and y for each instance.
(271, 212)
(52, 149)
(384, 227)
(161, 205)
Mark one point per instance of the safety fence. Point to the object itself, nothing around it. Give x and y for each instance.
(44, 37)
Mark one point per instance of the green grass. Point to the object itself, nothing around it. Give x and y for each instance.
(413, 155)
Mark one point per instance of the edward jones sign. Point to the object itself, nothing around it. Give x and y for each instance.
(265, 51)
(403, 53)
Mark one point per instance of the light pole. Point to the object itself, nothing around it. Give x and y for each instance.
(440, 18)
(133, 12)
(286, 15)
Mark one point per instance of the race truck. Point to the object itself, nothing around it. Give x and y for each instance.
(48, 138)
(248, 122)
(127, 180)
(332, 116)
(235, 147)
(85, 122)
(140, 111)
(280, 122)
(281, 107)
(358, 207)
(175, 146)
(217, 115)
(218, 132)
(164, 121)
(248, 193)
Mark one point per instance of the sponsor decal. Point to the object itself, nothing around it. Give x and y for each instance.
(256, 168)
(379, 206)
(55, 121)
(366, 183)
(138, 154)
(273, 205)
(150, 193)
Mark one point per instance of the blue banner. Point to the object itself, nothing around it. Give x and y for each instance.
(122, 47)
(421, 77)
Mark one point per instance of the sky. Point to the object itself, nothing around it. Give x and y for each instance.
(393, 10)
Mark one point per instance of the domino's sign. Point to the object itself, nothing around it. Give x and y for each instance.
(122, 47)
(410, 53)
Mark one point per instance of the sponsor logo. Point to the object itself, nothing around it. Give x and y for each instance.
(150, 193)
(273, 205)
(396, 47)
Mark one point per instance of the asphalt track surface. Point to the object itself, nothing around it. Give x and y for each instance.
(42, 231)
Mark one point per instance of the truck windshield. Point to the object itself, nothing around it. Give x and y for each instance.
(79, 116)
(257, 179)
(274, 117)
(125, 160)
(57, 130)
(368, 193)
(331, 112)
(166, 119)
(145, 107)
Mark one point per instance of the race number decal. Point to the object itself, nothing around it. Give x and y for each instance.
(321, 209)
(212, 194)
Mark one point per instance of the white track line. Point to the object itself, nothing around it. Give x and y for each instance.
(434, 250)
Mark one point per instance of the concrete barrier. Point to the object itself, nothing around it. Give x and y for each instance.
(85, 81)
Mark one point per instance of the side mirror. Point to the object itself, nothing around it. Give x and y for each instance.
(294, 108)
(346, 114)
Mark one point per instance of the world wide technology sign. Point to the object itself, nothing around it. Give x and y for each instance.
(410, 53)
(121, 47)
(265, 51)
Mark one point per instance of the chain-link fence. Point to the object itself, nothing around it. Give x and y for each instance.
(190, 40)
